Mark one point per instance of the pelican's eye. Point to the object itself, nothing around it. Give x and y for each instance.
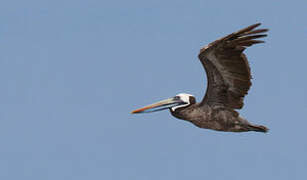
(176, 98)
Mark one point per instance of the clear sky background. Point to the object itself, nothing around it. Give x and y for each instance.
(71, 72)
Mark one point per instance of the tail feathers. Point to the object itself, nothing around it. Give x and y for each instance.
(258, 128)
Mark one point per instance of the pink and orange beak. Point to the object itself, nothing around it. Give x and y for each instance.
(161, 105)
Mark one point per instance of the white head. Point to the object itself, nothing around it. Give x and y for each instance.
(184, 97)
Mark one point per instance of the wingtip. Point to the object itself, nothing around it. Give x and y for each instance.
(253, 26)
(257, 24)
(249, 28)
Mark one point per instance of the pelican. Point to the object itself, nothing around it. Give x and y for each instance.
(228, 81)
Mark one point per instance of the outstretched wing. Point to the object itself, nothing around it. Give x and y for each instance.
(227, 68)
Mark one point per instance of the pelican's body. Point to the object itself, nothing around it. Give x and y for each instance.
(229, 76)
(215, 118)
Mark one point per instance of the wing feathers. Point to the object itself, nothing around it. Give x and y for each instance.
(245, 38)
(249, 42)
(249, 28)
(227, 68)
(256, 31)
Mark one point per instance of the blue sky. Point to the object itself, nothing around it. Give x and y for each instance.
(71, 72)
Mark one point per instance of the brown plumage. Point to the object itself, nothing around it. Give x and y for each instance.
(228, 81)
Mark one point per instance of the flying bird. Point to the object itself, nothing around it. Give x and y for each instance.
(228, 81)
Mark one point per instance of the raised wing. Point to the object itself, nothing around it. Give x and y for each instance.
(227, 68)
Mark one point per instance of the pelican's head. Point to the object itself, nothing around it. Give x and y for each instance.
(179, 101)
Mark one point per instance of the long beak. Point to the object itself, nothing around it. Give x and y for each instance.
(161, 105)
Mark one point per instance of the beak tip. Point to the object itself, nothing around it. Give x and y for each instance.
(134, 112)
